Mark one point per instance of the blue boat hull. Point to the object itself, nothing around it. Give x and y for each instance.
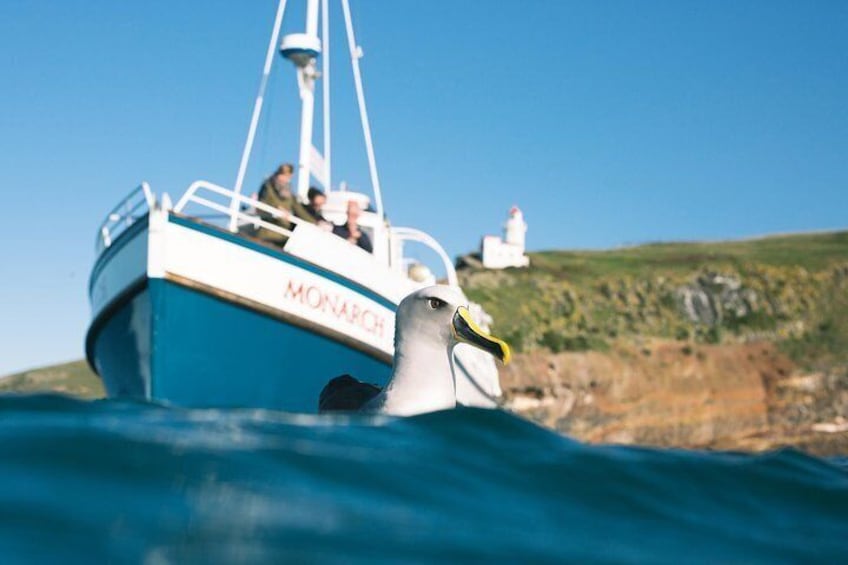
(186, 347)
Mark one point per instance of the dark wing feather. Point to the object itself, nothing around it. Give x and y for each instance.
(346, 394)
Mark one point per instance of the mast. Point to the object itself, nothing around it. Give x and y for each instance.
(307, 47)
(303, 49)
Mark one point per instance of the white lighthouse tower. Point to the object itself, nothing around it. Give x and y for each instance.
(507, 252)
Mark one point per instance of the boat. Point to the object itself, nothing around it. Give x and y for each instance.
(190, 308)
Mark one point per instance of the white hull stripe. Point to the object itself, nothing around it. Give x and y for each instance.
(215, 263)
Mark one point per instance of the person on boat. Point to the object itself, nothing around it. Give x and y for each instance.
(317, 199)
(351, 231)
(276, 192)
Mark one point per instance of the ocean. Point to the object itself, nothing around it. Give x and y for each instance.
(115, 481)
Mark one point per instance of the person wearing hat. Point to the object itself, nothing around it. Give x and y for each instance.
(276, 192)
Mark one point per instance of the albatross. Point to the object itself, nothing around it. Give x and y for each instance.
(429, 323)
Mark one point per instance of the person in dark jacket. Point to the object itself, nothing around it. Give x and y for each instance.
(317, 199)
(276, 192)
(351, 231)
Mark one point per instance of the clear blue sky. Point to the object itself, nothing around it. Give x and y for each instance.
(607, 122)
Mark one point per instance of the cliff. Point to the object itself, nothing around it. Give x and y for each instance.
(739, 345)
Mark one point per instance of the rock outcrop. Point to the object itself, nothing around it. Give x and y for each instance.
(738, 396)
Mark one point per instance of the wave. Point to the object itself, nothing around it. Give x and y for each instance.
(129, 481)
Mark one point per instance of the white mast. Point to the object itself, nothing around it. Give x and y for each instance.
(257, 110)
(302, 49)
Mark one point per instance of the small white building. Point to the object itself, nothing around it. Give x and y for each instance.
(500, 253)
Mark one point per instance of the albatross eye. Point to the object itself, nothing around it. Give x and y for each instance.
(436, 303)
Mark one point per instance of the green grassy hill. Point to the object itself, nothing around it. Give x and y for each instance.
(789, 289)
(75, 378)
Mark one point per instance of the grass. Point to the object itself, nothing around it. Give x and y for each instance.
(809, 251)
(825, 343)
(576, 300)
(75, 378)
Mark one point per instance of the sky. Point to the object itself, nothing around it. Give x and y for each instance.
(609, 123)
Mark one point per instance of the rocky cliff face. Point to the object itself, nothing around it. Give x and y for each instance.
(737, 396)
(739, 345)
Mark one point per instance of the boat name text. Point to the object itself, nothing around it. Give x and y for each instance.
(320, 300)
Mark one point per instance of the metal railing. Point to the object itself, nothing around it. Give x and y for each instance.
(235, 211)
(125, 214)
(238, 209)
(399, 234)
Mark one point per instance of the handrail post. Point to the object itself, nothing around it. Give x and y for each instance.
(122, 213)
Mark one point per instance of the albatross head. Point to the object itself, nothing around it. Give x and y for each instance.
(438, 315)
(429, 323)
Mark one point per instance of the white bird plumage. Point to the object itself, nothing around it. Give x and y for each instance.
(429, 323)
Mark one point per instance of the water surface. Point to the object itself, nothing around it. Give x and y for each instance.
(120, 481)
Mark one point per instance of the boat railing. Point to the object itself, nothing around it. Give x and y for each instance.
(243, 214)
(131, 208)
(234, 210)
(400, 235)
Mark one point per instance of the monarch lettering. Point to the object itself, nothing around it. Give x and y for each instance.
(335, 305)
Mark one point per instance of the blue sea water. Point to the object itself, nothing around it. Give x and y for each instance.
(113, 481)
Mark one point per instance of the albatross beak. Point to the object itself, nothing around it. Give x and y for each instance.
(466, 330)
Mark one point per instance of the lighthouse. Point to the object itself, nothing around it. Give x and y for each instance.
(500, 253)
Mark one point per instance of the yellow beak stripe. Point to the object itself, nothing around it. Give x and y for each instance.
(466, 330)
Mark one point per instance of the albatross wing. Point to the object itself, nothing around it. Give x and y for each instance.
(346, 394)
